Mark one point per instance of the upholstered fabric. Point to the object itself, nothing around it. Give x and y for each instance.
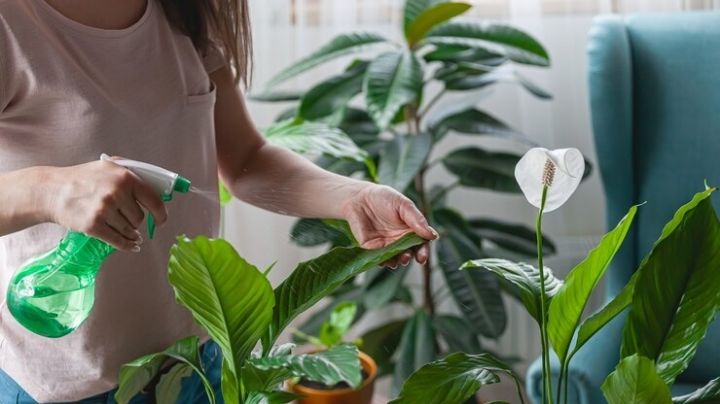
(654, 97)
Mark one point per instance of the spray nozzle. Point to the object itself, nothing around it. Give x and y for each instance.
(163, 181)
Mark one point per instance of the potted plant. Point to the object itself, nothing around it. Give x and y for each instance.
(331, 335)
(234, 302)
(672, 299)
(395, 100)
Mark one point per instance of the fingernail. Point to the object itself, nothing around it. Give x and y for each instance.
(435, 233)
(138, 237)
(135, 249)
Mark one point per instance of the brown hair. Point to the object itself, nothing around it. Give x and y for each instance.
(224, 24)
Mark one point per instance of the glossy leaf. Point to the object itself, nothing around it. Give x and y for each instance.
(332, 95)
(456, 333)
(431, 17)
(403, 158)
(170, 385)
(597, 321)
(472, 121)
(312, 280)
(452, 380)
(270, 397)
(517, 45)
(413, 8)
(277, 96)
(315, 232)
(230, 298)
(635, 381)
(473, 82)
(511, 237)
(476, 293)
(224, 193)
(478, 168)
(524, 277)
(312, 325)
(314, 138)
(677, 293)
(135, 375)
(358, 122)
(341, 318)
(336, 365)
(708, 394)
(570, 300)
(339, 46)
(392, 81)
(459, 53)
(382, 342)
(417, 347)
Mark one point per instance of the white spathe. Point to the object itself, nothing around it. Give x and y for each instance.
(530, 170)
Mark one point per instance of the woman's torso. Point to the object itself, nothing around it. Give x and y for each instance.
(68, 93)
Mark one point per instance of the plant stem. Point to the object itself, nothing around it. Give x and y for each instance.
(547, 384)
(432, 103)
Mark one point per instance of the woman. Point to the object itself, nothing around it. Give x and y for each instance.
(151, 80)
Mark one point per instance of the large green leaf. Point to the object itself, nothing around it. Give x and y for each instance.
(708, 394)
(403, 158)
(431, 17)
(315, 232)
(342, 317)
(517, 45)
(337, 364)
(270, 397)
(452, 380)
(454, 330)
(478, 168)
(312, 280)
(465, 82)
(458, 54)
(339, 46)
(413, 8)
(332, 95)
(230, 298)
(509, 236)
(677, 293)
(264, 380)
(635, 381)
(393, 80)
(524, 278)
(569, 302)
(417, 347)
(381, 343)
(476, 293)
(135, 375)
(472, 121)
(170, 385)
(277, 96)
(598, 320)
(314, 138)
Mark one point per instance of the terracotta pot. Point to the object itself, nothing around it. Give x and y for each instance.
(363, 395)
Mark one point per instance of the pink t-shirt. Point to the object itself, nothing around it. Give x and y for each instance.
(68, 93)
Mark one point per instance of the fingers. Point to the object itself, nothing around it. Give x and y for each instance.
(111, 236)
(122, 226)
(403, 259)
(422, 254)
(147, 197)
(416, 221)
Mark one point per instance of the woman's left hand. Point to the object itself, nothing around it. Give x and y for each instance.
(379, 215)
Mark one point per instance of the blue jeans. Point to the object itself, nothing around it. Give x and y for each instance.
(192, 391)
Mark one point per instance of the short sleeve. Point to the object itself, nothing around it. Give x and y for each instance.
(213, 60)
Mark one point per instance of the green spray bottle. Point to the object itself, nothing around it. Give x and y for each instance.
(52, 295)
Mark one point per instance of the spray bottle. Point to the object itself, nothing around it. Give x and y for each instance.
(52, 295)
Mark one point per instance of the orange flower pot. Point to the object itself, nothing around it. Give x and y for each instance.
(363, 395)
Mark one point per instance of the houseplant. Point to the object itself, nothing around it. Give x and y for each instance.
(234, 302)
(332, 333)
(673, 297)
(399, 122)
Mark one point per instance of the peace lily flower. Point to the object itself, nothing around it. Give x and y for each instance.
(556, 172)
(548, 178)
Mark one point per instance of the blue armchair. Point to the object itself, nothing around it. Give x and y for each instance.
(655, 101)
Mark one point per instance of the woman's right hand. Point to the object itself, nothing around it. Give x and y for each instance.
(103, 200)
